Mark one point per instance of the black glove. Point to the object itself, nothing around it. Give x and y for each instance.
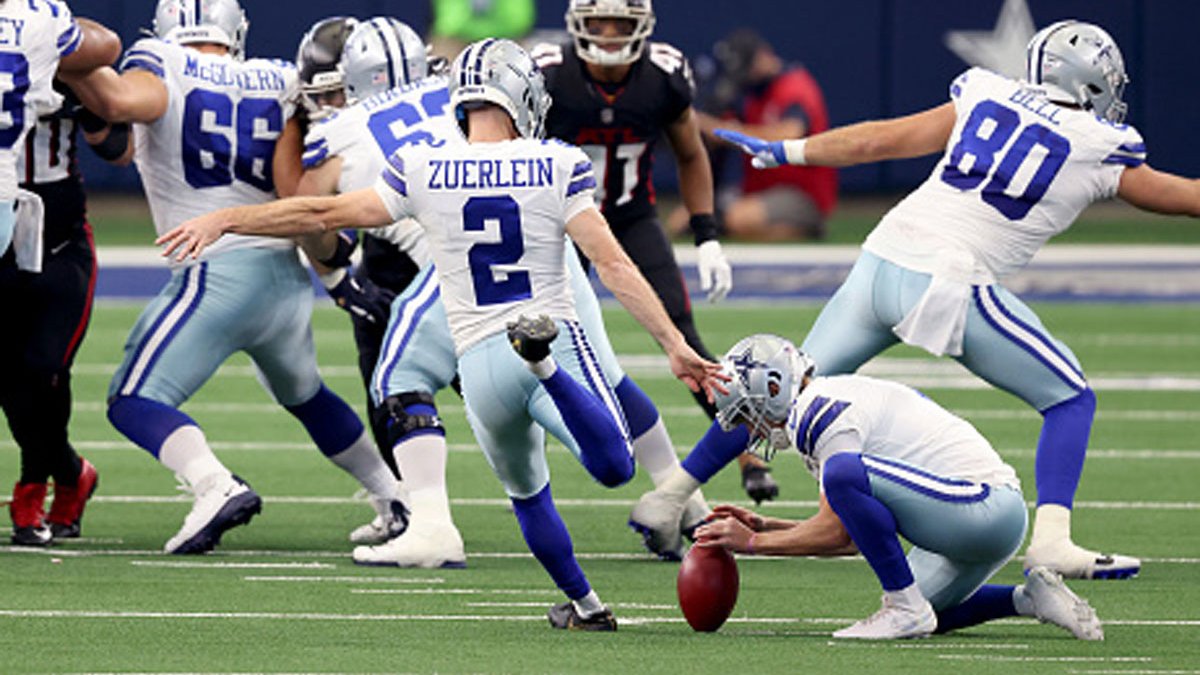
(363, 299)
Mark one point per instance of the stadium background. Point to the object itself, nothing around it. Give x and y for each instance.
(872, 57)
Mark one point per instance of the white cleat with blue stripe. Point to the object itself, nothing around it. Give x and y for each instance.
(1074, 562)
(1056, 604)
(896, 620)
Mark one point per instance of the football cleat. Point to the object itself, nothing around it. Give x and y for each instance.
(1075, 562)
(66, 512)
(27, 510)
(531, 338)
(894, 621)
(566, 617)
(1056, 604)
(223, 501)
(424, 546)
(657, 518)
(758, 483)
(390, 523)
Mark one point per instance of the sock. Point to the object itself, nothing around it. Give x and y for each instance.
(422, 461)
(988, 603)
(363, 461)
(186, 452)
(543, 369)
(679, 485)
(147, 423)
(909, 596)
(716, 449)
(1062, 447)
(330, 421)
(603, 448)
(870, 524)
(1052, 523)
(550, 543)
(589, 605)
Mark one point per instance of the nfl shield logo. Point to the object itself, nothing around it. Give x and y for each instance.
(606, 115)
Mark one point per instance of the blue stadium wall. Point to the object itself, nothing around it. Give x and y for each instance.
(873, 57)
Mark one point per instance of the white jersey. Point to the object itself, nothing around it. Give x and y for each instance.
(365, 134)
(495, 215)
(853, 413)
(34, 35)
(1018, 170)
(214, 145)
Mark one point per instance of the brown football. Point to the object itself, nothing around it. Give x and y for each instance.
(707, 586)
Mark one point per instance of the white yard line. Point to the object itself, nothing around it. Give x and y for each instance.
(231, 565)
(348, 579)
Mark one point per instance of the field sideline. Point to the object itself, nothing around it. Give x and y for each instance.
(281, 595)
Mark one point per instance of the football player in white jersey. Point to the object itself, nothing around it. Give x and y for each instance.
(38, 38)
(347, 151)
(496, 211)
(1022, 159)
(891, 463)
(205, 129)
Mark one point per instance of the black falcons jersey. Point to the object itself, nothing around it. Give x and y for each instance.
(617, 125)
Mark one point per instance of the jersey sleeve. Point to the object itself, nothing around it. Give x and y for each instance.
(316, 145)
(68, 35)
(679, 88)
(1129, 153)
(392, 188)
(149, 54)
(580, 182)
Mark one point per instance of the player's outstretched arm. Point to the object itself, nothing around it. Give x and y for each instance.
(915, 135)
(618, 273)
(821, 535)
(134, 96)
(290, 217)
(1159, 191)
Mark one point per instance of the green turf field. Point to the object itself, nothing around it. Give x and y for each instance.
(281, 595)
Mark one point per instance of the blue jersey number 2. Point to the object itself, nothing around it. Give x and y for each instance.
(208, 117)
(483, 257)
(983, 146)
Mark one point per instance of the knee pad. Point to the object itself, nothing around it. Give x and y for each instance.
(411, 413)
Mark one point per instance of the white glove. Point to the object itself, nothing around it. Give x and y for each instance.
(716, 276)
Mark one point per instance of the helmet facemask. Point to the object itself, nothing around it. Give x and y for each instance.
(584, 17)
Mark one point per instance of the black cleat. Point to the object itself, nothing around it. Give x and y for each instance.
(531, 338)
(565, 617)
(32, 536)
(759, 484)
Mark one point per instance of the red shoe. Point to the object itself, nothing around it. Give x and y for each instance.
(66, 511)
(27, 509)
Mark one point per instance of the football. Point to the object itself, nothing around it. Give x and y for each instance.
(707, 587)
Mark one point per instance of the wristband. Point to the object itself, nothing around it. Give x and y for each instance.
(89, 121)
(794, 151)
(704, 227)
(331, 279)
(114, 145)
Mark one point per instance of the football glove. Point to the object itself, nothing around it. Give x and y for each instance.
(716, 276)
(363, 299)
(766, 154)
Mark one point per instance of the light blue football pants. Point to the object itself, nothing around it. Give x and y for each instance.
(418, 353)
(510, 411)
(962, 532)
(1004, 343)
(256, 300)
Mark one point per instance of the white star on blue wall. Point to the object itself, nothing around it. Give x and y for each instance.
(1001, 49)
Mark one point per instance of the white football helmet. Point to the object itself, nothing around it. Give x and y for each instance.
(591, 48)
(318, 60)
(219, 22)
(381, 54)
(1080, 63)
(767, 374)
(502, 73)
